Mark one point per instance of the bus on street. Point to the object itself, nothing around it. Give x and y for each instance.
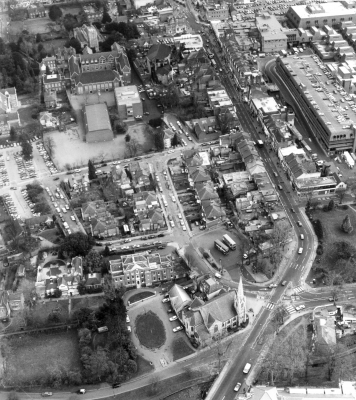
(229, 242)
(221, 247)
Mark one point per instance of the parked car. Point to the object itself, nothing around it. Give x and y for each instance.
(46, 394)
(173, 318)
(178, 328)
(116, 385)
(81, 391)
(165, 300)
(237, 387)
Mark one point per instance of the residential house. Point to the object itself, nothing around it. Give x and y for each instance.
(152, 220)
(16, 301)
(48, 120)
(198, 175)
(192, 158)
(206, 191)
(144, 201)
(93, 281)
(36, 223)
(57, 275)
(50, 99)
(50, 62)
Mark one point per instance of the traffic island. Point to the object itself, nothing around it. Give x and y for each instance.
(150, 330)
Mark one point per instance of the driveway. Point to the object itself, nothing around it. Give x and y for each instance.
(164, 354)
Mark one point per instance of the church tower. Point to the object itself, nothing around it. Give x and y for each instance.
(240, 303)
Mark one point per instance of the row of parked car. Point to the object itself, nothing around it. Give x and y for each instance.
(29, 202)
(46, 158)
(4, 177)
(10, 206)
(26, 168)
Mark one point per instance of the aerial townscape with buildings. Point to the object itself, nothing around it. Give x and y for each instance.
(177, 199)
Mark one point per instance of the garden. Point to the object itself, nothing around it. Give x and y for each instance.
(336, 251)
(45, 359)
(150, 330)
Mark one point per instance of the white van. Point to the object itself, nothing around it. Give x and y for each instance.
(302, 236)
(217, 275)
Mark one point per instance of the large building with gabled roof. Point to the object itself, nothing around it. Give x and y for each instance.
(204, 321)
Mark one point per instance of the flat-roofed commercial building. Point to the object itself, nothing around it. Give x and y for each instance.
(318, 186)
(129, 104)
(329, 118)
(319, 15)
(272, 36)
(191, 42)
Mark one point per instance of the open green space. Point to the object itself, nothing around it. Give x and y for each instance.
(51, 235)
(140, 296)
(181, 349)
(92, 301)
(150, 330)
(33, 358)
(335, 259)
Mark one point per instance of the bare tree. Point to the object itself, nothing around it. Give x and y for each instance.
(49, 145)
(133, 147)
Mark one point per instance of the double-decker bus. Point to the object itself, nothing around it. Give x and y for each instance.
(229, 242)
(221, 247)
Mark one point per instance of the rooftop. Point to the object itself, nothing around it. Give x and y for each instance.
(97, 117)
(322, 10)
(321, 93)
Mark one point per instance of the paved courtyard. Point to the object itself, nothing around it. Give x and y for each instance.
(162, 356)
(229, 261)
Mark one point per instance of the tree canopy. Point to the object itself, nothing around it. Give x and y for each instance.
(76, 244)
(54, 12)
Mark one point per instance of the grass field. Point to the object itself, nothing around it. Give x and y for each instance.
(140, 296)
(181, 349)
(150, 330)
(51, 234)
(32, 356)
(88, 301)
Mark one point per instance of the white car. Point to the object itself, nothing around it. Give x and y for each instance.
(165, 300)
(173, 318)
(127, 319)
(237, 387)
(180, 216)
(72, 217)
(178, 328)
(300, 251)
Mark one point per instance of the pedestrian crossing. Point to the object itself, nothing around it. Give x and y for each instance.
(270, 306)
(298, 289)
(290, 309)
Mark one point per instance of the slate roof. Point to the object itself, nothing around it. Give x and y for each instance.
(219, 308)
(106, 75)
(97, 117)
(158, 52)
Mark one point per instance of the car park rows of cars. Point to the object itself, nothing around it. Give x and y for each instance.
(29, 202)
(61, 209)
(46, 158)
(4, 178)
(10, 207)
(26, 168)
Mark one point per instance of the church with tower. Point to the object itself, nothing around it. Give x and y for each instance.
(205, 320)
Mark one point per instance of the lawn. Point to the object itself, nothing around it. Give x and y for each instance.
(180, 349)
(140, 296)
(31, 357)
(332, 222)
(51, 235)
(150, 330)
(88, 302)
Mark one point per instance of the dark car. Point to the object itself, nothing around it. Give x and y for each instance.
(144, 238)
(292, 210)
(151, 236)
(116, 385)
(56, 179)
(160, 235)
